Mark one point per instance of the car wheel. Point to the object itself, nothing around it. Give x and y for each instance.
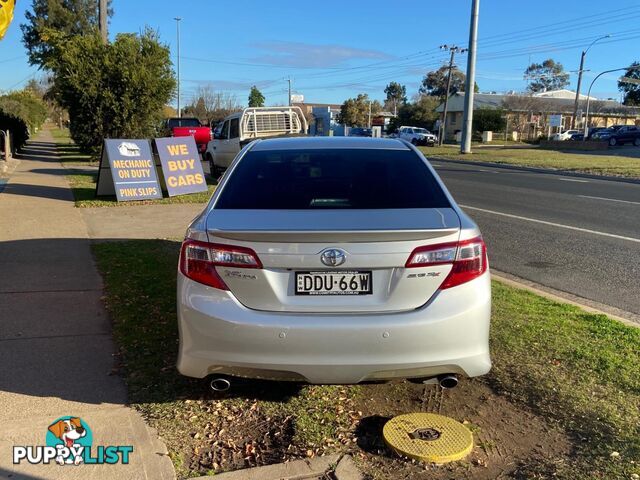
(636, 142)
(213, 170)
(613, 142)
(414, 141)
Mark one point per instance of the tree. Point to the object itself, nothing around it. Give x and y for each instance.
(21, 112)
(420, 113)
(256, 98)
(211, 106)
(546, 76)
(120, 93)
(489, 119)
(66, 17)
(354, 112)
(396, 95)
(435, 83)
(631, 90)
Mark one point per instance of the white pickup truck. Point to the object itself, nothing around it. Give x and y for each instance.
(240, 128)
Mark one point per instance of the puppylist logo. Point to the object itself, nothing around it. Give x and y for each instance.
(69, 441)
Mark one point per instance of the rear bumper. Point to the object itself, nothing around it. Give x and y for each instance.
(218, 335)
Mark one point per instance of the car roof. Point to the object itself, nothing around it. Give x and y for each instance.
(302, 143)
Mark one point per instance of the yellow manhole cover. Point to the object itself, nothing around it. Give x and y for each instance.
(428, 437)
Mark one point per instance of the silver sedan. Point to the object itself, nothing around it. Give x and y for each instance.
(333, 260)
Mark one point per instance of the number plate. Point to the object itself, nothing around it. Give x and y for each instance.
(334, 283)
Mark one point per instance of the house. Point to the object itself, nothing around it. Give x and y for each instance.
(530, 115)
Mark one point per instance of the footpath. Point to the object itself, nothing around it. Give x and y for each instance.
(56, 350)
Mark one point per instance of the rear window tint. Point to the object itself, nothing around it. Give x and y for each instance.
(336, 179)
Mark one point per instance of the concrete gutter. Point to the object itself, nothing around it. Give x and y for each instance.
(336, 467)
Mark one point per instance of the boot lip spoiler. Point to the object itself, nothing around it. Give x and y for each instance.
(315, 236)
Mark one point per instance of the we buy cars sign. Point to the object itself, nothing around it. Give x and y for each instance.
(181, 165)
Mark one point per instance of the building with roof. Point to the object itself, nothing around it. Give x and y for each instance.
(530, 115)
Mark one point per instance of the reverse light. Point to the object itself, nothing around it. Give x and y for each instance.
(468, 259)
(198, 261)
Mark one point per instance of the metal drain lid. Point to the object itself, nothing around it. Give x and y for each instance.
(428, 437)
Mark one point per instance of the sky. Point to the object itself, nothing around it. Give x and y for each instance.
(335, 50)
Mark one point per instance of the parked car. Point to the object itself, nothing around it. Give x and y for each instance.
(240, 128)
(592, 131)
(333, 260)
(619, 135)
(184, 127)
(417, 135)
(566, 135)
(360, 132)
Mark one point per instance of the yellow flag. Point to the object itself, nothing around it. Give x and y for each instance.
(6, 15)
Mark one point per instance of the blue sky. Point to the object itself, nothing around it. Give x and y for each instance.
(334, 50)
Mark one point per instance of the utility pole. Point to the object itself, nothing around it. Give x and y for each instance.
(467, 122)
(102, 16)
(443, 126)
(289, 79)
(369, 113)
(577, 100)
(177, 19)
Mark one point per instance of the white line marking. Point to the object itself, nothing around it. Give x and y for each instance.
(610, 199)
(434, 165)
(573, 180)
(552, 224)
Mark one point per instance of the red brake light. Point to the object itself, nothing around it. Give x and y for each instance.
(469, 259)
(198, 261)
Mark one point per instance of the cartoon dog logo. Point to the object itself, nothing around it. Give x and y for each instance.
(128, 149)
(68, 431)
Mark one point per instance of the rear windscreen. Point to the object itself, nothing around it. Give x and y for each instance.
(331, 178)
(184, 122)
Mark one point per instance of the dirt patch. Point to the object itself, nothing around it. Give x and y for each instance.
(508, 442)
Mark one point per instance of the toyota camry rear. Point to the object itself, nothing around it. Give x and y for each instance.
(333, 260)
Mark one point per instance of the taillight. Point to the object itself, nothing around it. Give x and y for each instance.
(198, 261)
(210, 134)
(468, 257)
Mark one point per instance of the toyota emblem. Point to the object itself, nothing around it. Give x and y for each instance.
(333, 257)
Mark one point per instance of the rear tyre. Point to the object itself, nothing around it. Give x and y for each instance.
(636, 142)
(613, 142)
(213, 170)
(414, 141)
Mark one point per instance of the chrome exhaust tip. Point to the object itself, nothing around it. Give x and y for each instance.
(448, 381)
(220, 384)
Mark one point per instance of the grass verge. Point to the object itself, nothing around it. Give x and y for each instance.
(69, 153)
(576, 370)
(625, 162)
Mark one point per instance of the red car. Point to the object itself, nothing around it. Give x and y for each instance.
(184, 127)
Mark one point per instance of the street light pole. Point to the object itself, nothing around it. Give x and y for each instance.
(443, 127)
(577, 100)
(177, 19)
(586, 116)
(467, 123)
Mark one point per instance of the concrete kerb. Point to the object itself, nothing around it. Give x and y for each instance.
(589, 306)
(337, 467)
(549, 171)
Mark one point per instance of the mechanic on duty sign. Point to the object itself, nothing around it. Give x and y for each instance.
(132, 169)
(181, 165)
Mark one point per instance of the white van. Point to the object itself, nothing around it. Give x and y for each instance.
(240, 128)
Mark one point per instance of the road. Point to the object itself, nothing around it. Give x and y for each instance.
(575, 235)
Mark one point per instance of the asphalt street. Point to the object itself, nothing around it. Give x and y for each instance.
(576, 235)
